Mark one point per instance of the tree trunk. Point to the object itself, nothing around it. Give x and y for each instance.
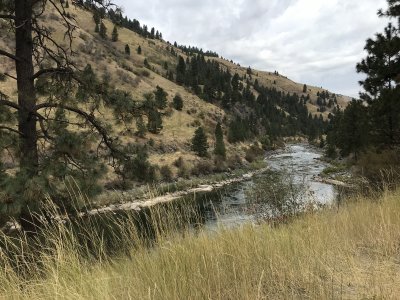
(26, 90)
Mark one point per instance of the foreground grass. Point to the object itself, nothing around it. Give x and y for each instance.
(350, 253)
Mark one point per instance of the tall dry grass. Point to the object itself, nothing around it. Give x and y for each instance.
(348, 253)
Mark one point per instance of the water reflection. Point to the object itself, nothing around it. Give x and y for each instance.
(302, 162)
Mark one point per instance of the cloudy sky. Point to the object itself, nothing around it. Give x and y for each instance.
(317, 42)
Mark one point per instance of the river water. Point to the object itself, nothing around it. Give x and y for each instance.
(302, 162)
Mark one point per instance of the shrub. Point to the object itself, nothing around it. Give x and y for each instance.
(119, 184)
(203, 167)
(166, 173)
(145, 73)
(381, 168)
(254, 152)
(179, 162)
(234, 161)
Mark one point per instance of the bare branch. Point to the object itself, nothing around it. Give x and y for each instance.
(9, 55)
(11, 76)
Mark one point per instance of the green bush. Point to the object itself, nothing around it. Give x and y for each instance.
(166, 173)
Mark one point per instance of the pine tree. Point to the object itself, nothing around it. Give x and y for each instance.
(181, 71)
(103, 30)
(304, 88)
(219, 141)
(154, 124)
(382, 89)
(127, 50)
(114, 34)
(199, 142)
(96, 17)
(160, 97)
(70, 94)
(97, 28)
(141, 127)
(146, 63)
(66, 4)
(178, 102)
(139, 50)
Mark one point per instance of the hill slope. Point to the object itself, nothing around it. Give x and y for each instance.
(129, 73)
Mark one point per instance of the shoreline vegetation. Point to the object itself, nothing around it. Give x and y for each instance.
(349, 251)
(171, 196)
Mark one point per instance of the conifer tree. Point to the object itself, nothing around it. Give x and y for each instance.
(304, 88)
(181, 71)
(178, 102)
(141, 127)
(154, 124)
(127, 50)
(96, 17)
(103, 30)
(53, 137)
(219, 141)
(199, 142)
(382, 85)
(139, 50)
(114, 34)
(160, 97)
(97, 28)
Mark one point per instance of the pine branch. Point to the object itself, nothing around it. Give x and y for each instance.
(12, 130)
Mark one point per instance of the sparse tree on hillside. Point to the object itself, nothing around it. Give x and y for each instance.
(139, 50)
(41, 134)
(219, 141)
(96, 17)
(199, 142)
(146, 63)
(103, 30)
(141, 127)
(181, 71)
(127, 50)
(114, 34)
(97, 28)
(304, 88)
(178, 102)
(160, 97)
(154, 124)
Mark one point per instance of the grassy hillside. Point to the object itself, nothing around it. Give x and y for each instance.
(129, 73)
(346, 253)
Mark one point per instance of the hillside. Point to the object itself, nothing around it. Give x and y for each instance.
(128, 73)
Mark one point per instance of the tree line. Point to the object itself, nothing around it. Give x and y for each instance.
(373, 122)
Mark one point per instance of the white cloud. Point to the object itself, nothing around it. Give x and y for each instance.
(317, 42)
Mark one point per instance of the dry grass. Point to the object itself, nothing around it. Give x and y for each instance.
(350, 253)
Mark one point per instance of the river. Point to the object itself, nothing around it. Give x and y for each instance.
(229, 207)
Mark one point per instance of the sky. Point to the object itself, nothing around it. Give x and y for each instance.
(317, 42)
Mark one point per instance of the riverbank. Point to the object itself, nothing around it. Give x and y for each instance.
(153, 199)
(351, 252)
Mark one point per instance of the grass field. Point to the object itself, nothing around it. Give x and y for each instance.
(348, 253)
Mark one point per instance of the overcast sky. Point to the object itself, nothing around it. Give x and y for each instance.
(317, 42)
